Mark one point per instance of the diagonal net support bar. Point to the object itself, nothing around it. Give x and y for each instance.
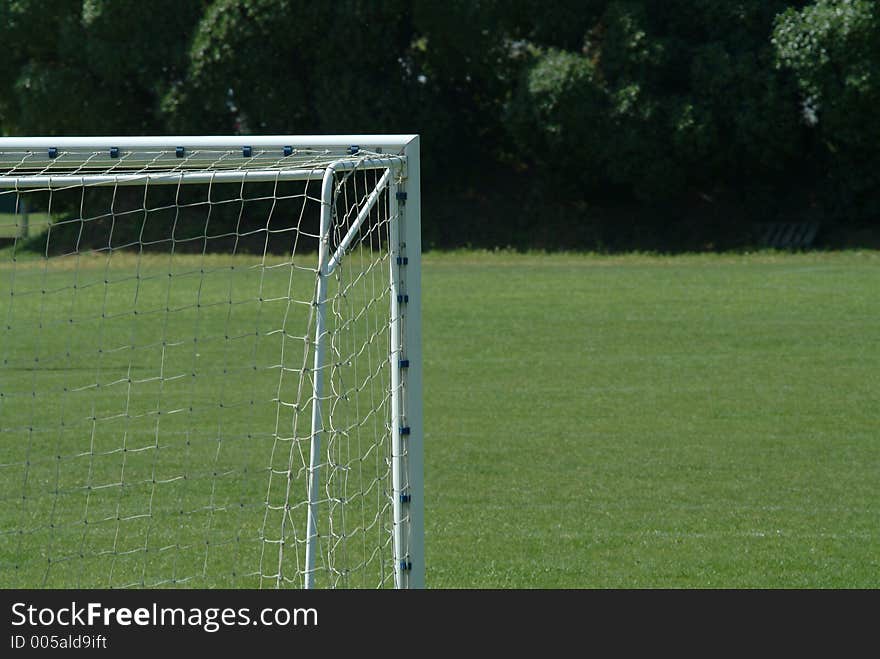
(356, 225)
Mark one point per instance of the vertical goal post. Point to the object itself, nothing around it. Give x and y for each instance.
(363, 192)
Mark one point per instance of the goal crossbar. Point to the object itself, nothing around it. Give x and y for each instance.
(394, 144)
(61, 181)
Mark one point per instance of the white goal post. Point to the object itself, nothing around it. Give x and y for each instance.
(211, 365)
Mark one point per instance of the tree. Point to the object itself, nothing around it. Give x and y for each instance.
(832, 47)
(662, 99)
(275, 66)
(665, 105)
(92, 67)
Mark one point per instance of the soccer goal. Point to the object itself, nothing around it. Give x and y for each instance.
(211, 362)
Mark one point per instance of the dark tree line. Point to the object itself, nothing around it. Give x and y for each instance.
(590, 123)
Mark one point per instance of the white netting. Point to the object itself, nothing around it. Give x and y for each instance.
(156, 388)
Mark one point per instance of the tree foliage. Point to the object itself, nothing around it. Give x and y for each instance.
(91, 67)
(576, 103)
(832, 47)
(665, 100)
(280, 66)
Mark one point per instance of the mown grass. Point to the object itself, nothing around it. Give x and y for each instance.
(155, 407)
(653, 421)
(591, 421)
(13, 225)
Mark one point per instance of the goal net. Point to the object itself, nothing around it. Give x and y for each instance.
(210, 366)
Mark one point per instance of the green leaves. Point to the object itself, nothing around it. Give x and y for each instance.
(830, 43)
(90, 67)
(268, 66)
(659, 103)
(832, 49)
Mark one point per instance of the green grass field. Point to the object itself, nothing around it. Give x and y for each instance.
(694, 421)
(11, 224)
(591, 421)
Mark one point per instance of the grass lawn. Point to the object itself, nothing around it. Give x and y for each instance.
(693, 421)
(11, 225)
(591, 421)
